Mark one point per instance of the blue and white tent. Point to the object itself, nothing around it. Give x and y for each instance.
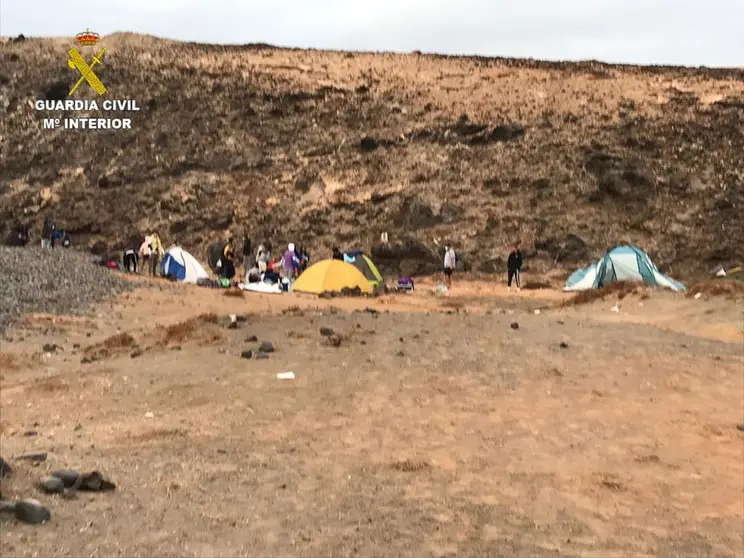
(622, 263)
(182, 266)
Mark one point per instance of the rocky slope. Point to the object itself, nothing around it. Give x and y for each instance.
(336, 148)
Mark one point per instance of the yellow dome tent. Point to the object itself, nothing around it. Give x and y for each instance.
(331, 276)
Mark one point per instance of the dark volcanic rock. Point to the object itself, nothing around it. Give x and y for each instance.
(32, 511)
(5, 469)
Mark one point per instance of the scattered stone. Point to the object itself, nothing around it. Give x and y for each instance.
(68, 477)
(176, 348)
(149, 414)
(233, 322)
(51, 348)
(30, 433)
(246, 354)
(371, 311)
(333, 340)
(70, 494)
(326, 331)
(514, 325)
(564, 345)
(33, 456)
(5, 469)
(266, 347)
(61, 282)
(740, 427)
(95, 482)
(76, 345)
(261, 356)
(241, 318)
(52, 485)
(78, 427)
(401, 354)
(31, 511)
(136, 353)
(251, 339)
(222, 451)
(561, 322)
(7, 506)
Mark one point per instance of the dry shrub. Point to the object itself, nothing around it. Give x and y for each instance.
(718, 287)
(410, 465)
(113, 343)
(536, 285)
(293, 311)
(179, 332)
(235, 293)
(619, 288)
(8, 362)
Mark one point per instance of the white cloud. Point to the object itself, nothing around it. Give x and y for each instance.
(686, 32)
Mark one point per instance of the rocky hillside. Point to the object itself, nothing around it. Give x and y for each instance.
(328, 148)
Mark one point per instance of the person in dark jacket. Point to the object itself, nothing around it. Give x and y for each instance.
(131, 260)
(23, 234)
(514, 266)
(247, 253)
(337, 255)
(47, 233)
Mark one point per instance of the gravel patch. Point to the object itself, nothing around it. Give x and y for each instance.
(53, 281)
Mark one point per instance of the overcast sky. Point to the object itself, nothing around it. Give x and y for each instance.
(686, 32)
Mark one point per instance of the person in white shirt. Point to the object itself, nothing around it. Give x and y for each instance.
(450, 261)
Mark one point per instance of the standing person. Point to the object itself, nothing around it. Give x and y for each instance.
(131, 260)
(144, 253)
(450, 261)
(247, 252)
(46, 233)
(288, 262)
(156, 253)
(514, 266)
(227, 269)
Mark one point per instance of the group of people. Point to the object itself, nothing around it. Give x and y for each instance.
(513, 266)
(150, 252)
(50, 235)
(293, 261)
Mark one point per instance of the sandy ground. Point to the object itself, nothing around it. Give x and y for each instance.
(434, 429)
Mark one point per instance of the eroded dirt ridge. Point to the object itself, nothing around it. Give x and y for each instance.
(335, 148)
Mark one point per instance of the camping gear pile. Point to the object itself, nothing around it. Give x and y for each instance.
(622, 263)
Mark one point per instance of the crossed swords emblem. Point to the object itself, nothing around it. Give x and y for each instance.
(76, 61)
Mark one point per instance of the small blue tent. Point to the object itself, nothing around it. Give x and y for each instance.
(622, 263)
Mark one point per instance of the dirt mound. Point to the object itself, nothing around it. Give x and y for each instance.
(718, 287)
(618, 289)
(331, 148)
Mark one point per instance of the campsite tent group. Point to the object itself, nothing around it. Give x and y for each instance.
(622, 263)
(357, 271)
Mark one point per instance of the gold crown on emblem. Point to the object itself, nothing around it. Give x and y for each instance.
(87, 38)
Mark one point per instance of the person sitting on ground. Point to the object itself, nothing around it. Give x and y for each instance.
(66, 240)
(337, 255)
(261, 260)
(514, 267)
(450, 261)
(131, 260)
